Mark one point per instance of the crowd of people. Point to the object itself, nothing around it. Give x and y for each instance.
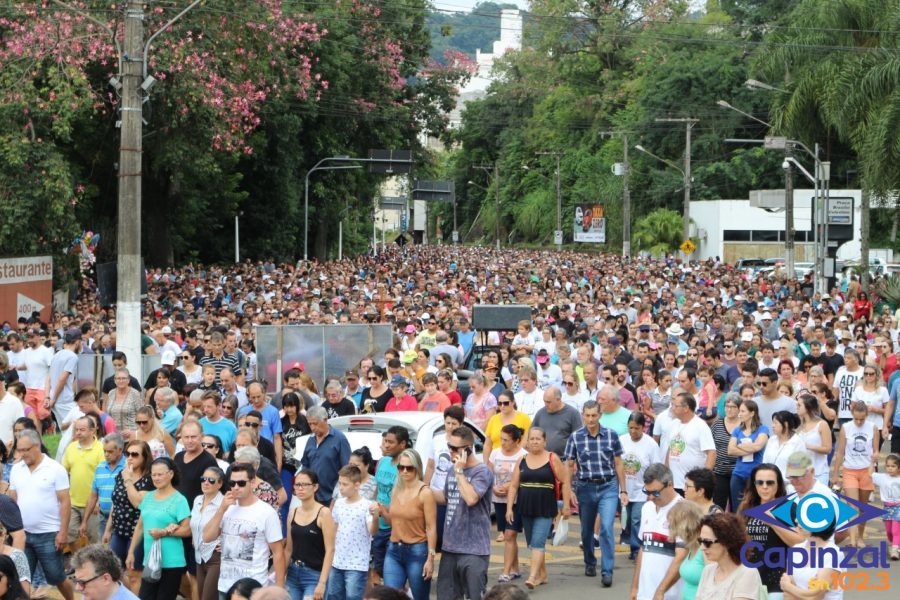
(668, 396)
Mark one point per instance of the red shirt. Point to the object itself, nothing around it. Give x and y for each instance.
(407, 402)
(454, 397)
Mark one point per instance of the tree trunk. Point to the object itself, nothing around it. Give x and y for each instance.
(864, 234)
(894, 226)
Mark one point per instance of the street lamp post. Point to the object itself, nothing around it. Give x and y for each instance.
(495, 168)
(558, 233)
(318, 167)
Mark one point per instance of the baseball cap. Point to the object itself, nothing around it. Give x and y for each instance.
(798, 464)
(168, 358)
(543, 356)
(166, 330)
(409, 356)
(747, 336)
(351, 373)
(73, 335)
(410, 328)
(398, 380)
(298, 365)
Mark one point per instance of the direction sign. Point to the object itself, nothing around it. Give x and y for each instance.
(840, 211)
(26, 286)
(688, 247)
(434, 190)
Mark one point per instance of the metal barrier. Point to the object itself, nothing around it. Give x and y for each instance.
(324, 350)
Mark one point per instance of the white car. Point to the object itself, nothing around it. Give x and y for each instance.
(366, 430)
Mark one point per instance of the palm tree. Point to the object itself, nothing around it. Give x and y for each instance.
(841, 66)
(659, 232)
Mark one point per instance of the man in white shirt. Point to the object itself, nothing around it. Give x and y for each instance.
(529, 398)
(770, 400)
(10, 409)
(249, 532)
(35, 364)
(548, 374)
(691, 443)
(62, 377)
(40, 486)
(845, 381)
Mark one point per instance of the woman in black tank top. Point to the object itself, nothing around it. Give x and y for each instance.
(310, 541)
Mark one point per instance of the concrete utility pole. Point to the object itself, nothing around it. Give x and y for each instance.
(128, 266)
(689, 124)
(626, 192)
(789, 212)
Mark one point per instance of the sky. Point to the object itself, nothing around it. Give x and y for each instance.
(468, 5)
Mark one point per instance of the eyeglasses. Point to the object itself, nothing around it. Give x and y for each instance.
(761, 383)
(185, 357)
(142, 422)
(131, 454)
(868, 373)
(208, 445)
(570, 383)
(209, 480)
(764, 482)
(249, 424)
(303, 484)
(373, 378)
(453, 448)
(504, 403)
(406, 468)
(83, 582)
(707, 543)
(653, 494)
(240, 483)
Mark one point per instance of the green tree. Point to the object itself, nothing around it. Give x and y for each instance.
(659, 232)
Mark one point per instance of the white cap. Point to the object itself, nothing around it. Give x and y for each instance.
(168, 358)
(767, 316)
(166, 330)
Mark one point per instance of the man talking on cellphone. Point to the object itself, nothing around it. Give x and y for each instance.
(466, 549)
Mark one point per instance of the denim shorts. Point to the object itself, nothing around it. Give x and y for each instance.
(537, 530)
(41, 548)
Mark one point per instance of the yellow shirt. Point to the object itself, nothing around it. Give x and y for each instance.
(495, 425)
(81, 463)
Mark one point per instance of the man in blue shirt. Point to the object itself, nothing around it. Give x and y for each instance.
(214, 423)
(327, 450)
(98, 574)
(167, 410)
(104, 482)
(270, 426)
(393, 441)
(594, 454)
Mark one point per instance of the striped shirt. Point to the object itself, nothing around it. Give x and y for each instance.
(104, 482)
(595, 455)
(724, 464)
(226, 360)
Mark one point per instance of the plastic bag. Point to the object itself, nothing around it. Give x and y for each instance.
(153, 563)
(562, 532)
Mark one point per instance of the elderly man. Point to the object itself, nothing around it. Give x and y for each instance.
(336, 403)
(594, 454)
(266, 470)
(167, 410)
(230, 386)
(327, 450)
(103, 484)
(612, 415)
(80, 460)
(557, 419)
(98, 575)
(656, 569)
(40, 486)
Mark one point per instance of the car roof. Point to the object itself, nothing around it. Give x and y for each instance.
(410, 419)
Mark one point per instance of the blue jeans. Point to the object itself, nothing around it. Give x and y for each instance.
(300, 581)
(602, 499)
(737, 485)
(41, 548)
(404, 562)
(119, 545)
(346, 585)
(634, 520)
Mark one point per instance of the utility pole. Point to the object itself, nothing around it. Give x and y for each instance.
(688, 125)
(626, 192)
(128, 265)
(789, 212)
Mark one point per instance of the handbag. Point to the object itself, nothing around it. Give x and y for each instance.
(556, 483)
(153, 563)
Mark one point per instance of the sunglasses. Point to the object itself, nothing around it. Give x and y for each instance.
(253, 425)
(706, 543)
(209, 480)
(131, 454)
(569, 383)
(142, 422)
(868, 373)
(373, 378)
(653, 494)
(185, 357)
(504, 403)
(241, 483)
(453, 448)
(406, 468)
(764, 482)
(208, 445)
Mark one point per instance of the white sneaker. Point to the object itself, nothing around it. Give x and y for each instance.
(895, 553)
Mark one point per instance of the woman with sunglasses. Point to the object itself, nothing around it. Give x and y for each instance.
(722, 535)
(310, 541)
(874, 393)
(207, 555)
(193, 373)
(165, 516)
(132, 484)
(502, 461)
(377, 395)
(213, 444)
(412, 517)
(766, 483)
(150, 431)
(507, 415)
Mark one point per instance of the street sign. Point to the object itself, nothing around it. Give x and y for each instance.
(455, 237)
(434, 190)
(392, 203)
(390, 162)
(688, 247)
(557, 237)
(26, 286)
(775, 142)
(840, 211)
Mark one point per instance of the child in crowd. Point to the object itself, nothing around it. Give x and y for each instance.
(889, 488)
(356, 520)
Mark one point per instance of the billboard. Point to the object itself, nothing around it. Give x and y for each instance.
(590, 224)
(26, 286)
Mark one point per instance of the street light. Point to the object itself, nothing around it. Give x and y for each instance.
(318, 167)
(724, 104)
(496, 170)
(754, 84)
(558, 233)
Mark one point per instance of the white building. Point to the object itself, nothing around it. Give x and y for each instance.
(733, 229)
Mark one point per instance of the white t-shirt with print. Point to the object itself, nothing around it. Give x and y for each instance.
(687, 447)
(352, 541)
(247, 532)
